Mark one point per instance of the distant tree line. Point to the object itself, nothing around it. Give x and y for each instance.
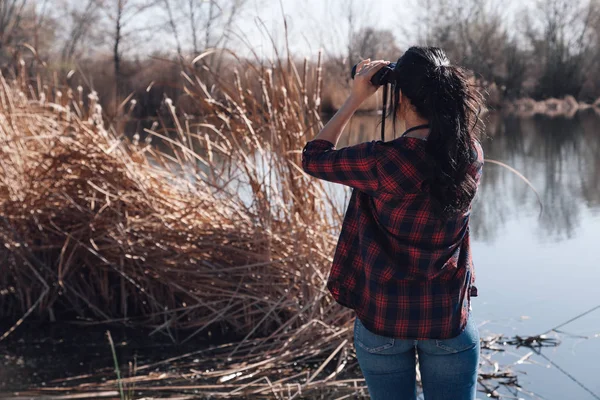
(544, 49)
(117, 47)
(547, 48)
(539, 49)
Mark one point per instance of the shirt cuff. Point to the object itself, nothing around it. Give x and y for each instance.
(318, 144)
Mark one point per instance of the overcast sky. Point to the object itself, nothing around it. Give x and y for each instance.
(316, 23)
(312, 24)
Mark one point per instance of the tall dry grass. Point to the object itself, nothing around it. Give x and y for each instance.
(220, 231)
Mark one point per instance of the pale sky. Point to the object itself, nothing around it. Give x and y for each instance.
(314, 23)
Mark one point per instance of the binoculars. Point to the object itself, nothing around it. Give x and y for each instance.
(381, 77)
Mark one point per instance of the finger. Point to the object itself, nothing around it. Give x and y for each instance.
(373, 69)
(366, 68)
(362, 64)
(375, 65)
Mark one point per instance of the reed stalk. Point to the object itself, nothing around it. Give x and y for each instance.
(116, 362)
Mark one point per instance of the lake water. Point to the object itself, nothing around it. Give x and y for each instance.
(535, 272)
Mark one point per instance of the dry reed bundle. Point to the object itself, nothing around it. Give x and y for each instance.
(220, 229)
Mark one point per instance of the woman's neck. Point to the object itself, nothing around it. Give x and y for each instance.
(417, 133)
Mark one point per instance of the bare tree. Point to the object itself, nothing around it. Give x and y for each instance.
(193, 24)
(471, 30)
(11, 16)
(38, 22)
(373, 43)
(82, 22)
(592, 87)
(209, 22)
(26, 22)
(122, 14)
(346, 40)
(117, 42)
(559, 33)
(214, 19)
(173, 26)
(356, 17)
(476, 34)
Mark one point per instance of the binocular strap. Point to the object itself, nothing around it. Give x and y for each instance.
(384, 111)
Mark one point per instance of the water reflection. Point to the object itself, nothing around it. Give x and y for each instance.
(558, 155)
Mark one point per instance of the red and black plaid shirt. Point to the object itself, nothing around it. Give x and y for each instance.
(406, 274)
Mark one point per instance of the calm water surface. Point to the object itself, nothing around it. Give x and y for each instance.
(535, 272)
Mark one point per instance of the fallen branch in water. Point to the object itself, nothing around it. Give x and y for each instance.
(514, 171)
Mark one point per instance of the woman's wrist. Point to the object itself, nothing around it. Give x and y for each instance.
(353, 102)
(334, 127)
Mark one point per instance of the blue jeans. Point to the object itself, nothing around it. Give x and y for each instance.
(448, 367)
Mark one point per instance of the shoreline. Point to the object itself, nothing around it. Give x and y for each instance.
(523, 107)
(63, 359)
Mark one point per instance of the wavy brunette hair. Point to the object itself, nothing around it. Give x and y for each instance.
(441, 93)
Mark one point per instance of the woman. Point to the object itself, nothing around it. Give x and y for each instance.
(403, 260)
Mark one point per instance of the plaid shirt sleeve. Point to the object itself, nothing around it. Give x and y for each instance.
(355, 166)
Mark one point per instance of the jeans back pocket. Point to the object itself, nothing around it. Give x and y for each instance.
(370, 341)
(467, 339)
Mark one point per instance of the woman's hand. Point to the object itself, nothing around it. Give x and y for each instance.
(362, 88)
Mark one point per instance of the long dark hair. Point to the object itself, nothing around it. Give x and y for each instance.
(442, 94)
